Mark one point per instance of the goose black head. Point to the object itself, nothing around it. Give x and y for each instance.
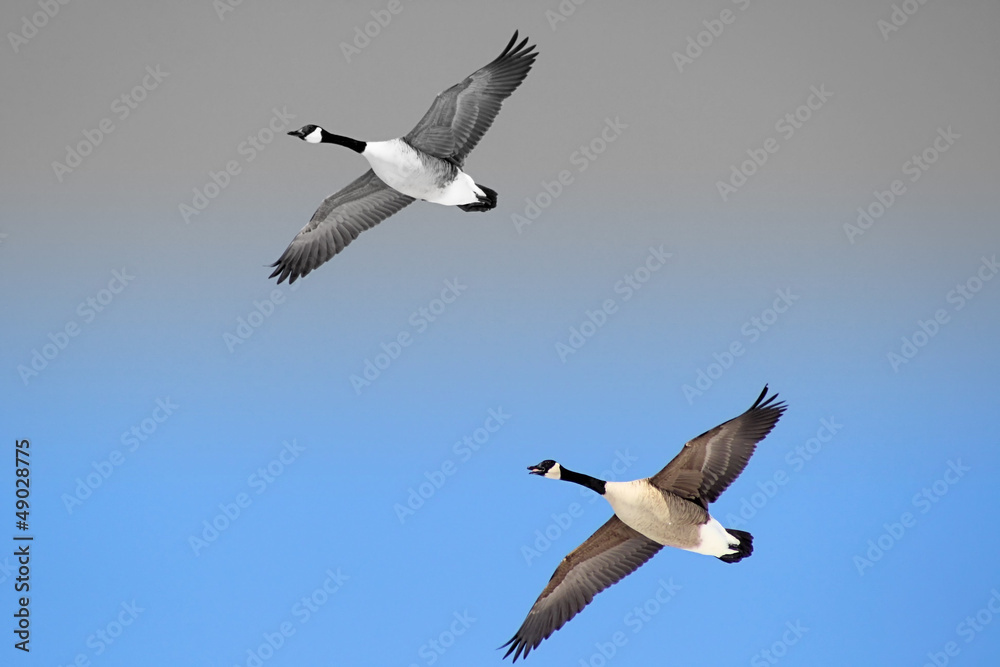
(311, 133)
(547, 468)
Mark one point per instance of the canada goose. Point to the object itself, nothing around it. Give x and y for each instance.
(668, 509)
(425, 164)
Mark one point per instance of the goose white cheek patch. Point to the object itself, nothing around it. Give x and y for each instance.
(315, 137)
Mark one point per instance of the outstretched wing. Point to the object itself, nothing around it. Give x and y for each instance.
(709, 463)
(460, 116)
(609, 555)
(338, 221)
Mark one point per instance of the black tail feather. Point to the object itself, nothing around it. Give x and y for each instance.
(743, 549)
(486, 203)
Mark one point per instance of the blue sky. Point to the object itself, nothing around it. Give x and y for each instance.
(216, 480)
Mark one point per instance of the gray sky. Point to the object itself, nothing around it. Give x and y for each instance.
(685, 128)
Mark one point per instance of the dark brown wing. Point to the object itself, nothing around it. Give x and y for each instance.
(709, 463)
(609, 555)
(460, 116)
(338, 221)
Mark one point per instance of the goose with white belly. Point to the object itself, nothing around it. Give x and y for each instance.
(426, 164)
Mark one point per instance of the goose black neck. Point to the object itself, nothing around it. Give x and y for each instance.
(353, 144)
(591, 483)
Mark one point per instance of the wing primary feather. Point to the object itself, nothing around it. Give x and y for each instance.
(343, 215)
(613, 552)
(459, 116)
(708, 464)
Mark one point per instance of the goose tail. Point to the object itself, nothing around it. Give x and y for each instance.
(743, 549)
(486, 203)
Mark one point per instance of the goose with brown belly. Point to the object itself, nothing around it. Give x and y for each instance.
(668, 509)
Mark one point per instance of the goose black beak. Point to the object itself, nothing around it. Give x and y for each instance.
(296, 133)
(535, 470)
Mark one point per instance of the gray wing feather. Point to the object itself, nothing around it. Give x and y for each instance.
(708, 464)
(609, 555)
(460, 116)
(338, 221)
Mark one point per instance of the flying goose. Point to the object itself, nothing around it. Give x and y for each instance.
(425, 164)
(668, 509)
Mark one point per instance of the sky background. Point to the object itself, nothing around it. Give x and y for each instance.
(833, 578)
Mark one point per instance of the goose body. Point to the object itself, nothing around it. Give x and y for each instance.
(426, 164)
(668, 509)
(421, 176)
(668, 519)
